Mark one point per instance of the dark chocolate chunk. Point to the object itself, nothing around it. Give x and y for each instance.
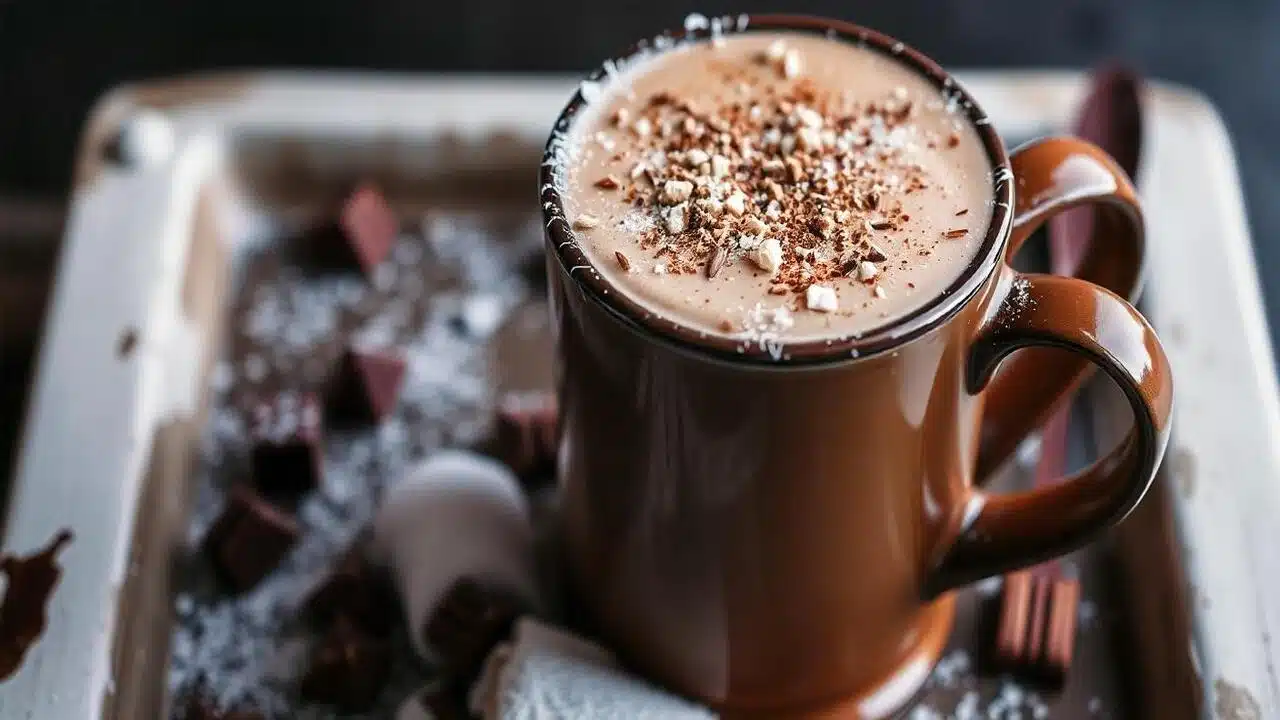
(443, 701)
(526, 440)
(287, 458)
(360, 232)
(249, 538)
(364, 388)
(200, 707)
(469, 621)
(30, 583)
(348, 669)
(369, 225)
(354, 591)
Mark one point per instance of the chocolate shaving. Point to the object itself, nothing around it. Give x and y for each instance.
(962, 211)
(608, 182)
(623, 262)
(956, 233)
(874, 253)
(717, 261)
(31, 581)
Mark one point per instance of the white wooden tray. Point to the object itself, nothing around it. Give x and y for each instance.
(107, 435)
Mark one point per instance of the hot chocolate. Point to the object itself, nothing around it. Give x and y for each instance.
(777, 184)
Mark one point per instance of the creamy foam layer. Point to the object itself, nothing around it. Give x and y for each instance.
(777, 184)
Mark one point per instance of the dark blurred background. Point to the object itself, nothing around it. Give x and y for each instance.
(57, 56)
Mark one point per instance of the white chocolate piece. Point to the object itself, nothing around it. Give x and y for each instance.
(458, 514)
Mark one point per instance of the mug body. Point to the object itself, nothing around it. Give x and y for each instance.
(757, 537)
(752, 526)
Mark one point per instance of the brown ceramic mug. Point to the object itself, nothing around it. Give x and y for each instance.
(778, 537)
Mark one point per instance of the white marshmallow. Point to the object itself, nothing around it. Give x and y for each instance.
(549, 672)
(455, 515)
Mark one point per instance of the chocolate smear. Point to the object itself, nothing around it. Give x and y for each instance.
(128, 341)
(23, 614)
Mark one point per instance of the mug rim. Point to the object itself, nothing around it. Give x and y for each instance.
(888, 336)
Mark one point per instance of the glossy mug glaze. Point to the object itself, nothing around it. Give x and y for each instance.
(777, 537)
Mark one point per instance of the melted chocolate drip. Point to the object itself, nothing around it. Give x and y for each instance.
(22, 615)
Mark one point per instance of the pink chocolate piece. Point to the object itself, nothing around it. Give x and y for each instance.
(365, 387)
(369, 226)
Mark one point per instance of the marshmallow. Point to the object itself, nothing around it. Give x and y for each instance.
(456, 515)
(548, 672)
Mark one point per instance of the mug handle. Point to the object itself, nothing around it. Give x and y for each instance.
(1001, 532)
(1053, 175)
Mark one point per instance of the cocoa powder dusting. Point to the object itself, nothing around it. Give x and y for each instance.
(31, 582)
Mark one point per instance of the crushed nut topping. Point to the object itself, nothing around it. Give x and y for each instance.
(802, 186)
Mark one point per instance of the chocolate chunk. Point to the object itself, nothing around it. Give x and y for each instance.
(249, 539)
(364, 388)
(526, 440)
(370, 226)
(287, 458)
(469, 621)
(199, 707)
(30, 583)
(354, 591)
(361, 232)
(442, 701)
(348, 669)
(1037, 625)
